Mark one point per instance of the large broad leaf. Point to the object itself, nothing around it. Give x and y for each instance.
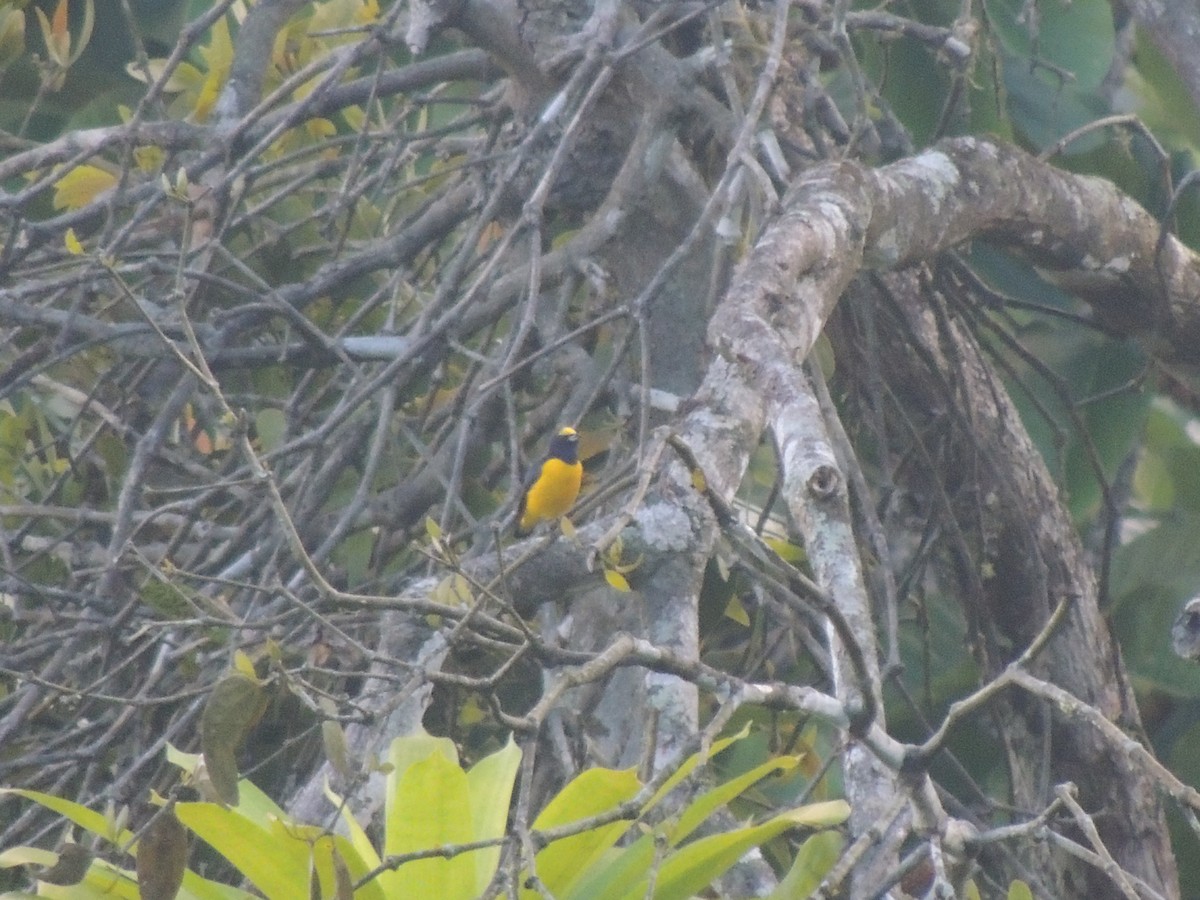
(560, 864)
(490, 784)
(431, 808)
(385, 881)
(1167, 479)
(617, 871)
(814, 859)
(705, 805)
(695, 760)
(273, 852)
(85, 818)
(1149, 596)
(1055, 55)
(696, 865)
(274, 859)
(1113, 412)
(233, 708)
(253, 804)
(1077, 37)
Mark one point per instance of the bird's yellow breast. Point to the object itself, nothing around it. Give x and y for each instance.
(553, 493)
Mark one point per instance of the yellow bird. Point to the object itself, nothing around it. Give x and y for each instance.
(554, 485)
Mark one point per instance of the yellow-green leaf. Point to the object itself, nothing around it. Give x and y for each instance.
(85, 818)
(707, 803)
(562, 863)
(403, 753)
(243, 664)
(80, 186)
(275, 859)
(72, 243)
(490, 784)
(219, 56)
(434, 796)
(26, 856)
(453, 590)
(814, 859)
(788, 552)
(333, 736)
(363, 850)
(695, 865)
(616, 580)
(12, 36)
(692, 762)
(149, 158)
(736, 611)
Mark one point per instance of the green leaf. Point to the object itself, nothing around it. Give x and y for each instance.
(490, 784)
(453, 590)
(12, 36)
(103, 881)
(74, 247)
(695, 760)
(616, 581)
(560, 864)
(697, 864)
(269, 424)
(402, 754)
(1163, 101)
(1019, 890)
(616, 872)
(383, 885)
(1147, 606)
(244, 664)
(434, 803)
(26, 856)
(85, 818)
(235, 705)
(814, 859)
(1167, 478)
(1077, 36)
(709, 802)
(1052, 73)
(274, 859)
(166, 599)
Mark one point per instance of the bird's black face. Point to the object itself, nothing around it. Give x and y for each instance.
(565, 446)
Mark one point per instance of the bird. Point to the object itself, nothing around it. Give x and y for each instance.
(1185, 633)
(552, 488)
